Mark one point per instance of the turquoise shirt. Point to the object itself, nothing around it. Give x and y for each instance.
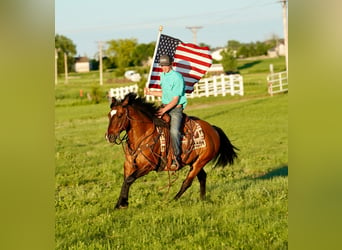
(172, 84)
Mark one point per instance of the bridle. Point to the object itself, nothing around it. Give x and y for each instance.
(117, 139)
(123, 127)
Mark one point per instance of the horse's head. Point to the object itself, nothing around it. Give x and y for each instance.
(118, 118)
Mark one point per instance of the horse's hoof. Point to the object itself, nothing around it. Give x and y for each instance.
(121, 206)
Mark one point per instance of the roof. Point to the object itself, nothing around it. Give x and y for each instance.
(82, 59)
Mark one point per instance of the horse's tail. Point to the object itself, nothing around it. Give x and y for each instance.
(227, 151)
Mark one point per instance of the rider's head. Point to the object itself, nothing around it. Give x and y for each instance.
(165, 62)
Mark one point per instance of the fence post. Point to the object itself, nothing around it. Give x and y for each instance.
(231, 83)
(280, 82)
(122, 89)
(223, 85)
(215, 85)
(196, 89)
(241, 85)
(206, 85)
(270, 88)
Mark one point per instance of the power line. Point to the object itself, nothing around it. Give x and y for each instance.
(151, 23)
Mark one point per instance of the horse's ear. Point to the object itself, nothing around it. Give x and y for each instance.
(114, 102)
(129, 98)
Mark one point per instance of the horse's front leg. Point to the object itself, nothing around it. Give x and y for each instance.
(123, 199)
(131, 173)
(195, 170)
(130, 176)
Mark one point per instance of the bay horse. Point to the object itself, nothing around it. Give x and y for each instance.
(146, 143)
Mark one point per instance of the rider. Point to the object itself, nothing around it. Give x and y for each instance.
(173, 102)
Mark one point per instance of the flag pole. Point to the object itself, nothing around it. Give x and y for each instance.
(154, 55)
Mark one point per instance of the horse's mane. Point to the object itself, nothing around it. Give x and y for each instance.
(147, 108)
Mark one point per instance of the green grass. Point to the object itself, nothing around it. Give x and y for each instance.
(246, 205)
(248, 66)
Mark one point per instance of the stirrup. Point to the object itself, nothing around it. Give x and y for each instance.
(177, 161)
(174, 165)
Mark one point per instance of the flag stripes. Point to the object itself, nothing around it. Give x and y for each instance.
(190, 60)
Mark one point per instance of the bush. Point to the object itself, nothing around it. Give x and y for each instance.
(229, 62)
(96, 94)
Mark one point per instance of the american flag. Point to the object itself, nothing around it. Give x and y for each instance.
(189, 59)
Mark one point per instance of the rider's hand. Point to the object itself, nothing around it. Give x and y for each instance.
(146, 91)
(160, 112)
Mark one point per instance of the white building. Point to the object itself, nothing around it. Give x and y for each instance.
(279, 50)
(82, 64)
(217, 54)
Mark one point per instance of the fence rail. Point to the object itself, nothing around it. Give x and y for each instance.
(277, 82)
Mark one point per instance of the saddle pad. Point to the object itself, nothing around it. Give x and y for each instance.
(198, 138)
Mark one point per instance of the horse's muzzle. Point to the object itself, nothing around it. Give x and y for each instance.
(110, 138)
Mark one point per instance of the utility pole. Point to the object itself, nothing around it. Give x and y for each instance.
(285, 33)
(66, 67)
(56, 65)
(194, 32)
(100, 61)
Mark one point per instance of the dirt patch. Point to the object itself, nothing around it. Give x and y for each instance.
(207, 105)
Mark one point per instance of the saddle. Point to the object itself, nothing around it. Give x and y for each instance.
(192, 137)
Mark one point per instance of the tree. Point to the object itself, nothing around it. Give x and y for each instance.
(261, 48)
(229, 62)
(64, 45)
(243, 51)
(121, 51)
(204, 45)
(142, 53)
(234, 45)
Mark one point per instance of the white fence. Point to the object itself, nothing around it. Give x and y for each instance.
(212, 86)
(122, 91)
(277, 82)
(218, 85)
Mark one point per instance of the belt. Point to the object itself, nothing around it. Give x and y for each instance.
(178, 106)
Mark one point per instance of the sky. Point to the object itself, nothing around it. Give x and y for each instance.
(87, 22)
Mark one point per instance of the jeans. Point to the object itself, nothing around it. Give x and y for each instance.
(176, 121)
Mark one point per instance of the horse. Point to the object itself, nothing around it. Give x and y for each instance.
(146, 143)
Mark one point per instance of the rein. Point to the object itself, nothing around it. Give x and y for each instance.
(139, 146)
(119, 140)
(125, 137)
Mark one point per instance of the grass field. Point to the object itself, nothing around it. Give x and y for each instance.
(246, 205)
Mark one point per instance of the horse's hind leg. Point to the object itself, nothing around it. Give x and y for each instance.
(202, 177)
(186, 184)
(194, 171)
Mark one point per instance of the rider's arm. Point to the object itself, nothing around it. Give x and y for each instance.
(147, 91)
(168, 106)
